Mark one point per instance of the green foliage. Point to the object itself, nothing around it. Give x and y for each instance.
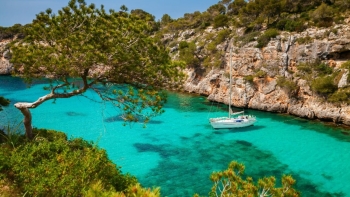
(97, 190)
(230, 182)
(104, 49)
(3, 102)
(304, 40)
(290, 86)
(260, 74)
(323, 15)
(310, 70)
(249, 78)
(222, 36)
(323, 69)
(264, 39)
(249, 37)
(52, 165)
(147, 17)
(339, 96)
(291, 25)
(183, 45)
(187, 53)
(217, 39)
(324, 85)
(166, 19)
(11, 32)
(10, 136)
(346, 65)
(221, 21)
(305, 68)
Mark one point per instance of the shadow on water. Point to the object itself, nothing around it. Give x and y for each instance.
(9, 83)
(119, 118)
(72, 113)
(237, 130)
(196, 157)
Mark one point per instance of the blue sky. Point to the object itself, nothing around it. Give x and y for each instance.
(24, 11)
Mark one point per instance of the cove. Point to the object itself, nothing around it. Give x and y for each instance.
(178, 150)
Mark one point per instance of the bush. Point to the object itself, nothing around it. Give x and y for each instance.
(339, 96)
(316, 67)
(289, 85)
(249, 37)
(249, 78)
(346, 65)
(323, 69)
(264, 39)
(324, 85)
(51, 164)
(233, 182)
(183, 44)
(220, 21)
(188, 53)
(304, 67)
(304, 40)
(11, 32)
(260, 74)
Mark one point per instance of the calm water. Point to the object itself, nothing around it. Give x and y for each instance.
(178, 150)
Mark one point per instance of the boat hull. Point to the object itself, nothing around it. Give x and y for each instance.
(228, 123)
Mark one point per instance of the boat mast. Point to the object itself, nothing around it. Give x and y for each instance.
(229, 102)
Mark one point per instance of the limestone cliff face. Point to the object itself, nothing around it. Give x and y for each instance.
(5, 65)
(278, 58)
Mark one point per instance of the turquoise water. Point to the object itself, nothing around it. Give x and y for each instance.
(178, 150)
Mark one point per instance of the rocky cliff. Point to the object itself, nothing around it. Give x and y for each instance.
(5, 65)
(278, 59)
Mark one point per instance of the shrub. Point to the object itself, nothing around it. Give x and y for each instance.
(295, 25)
(260, 74)
(249, 78)
(220, 21)
(323, 69)
(304, 67)
(324, 85)
(188, 53)
(339, 96)
(233, 182)
(289, 85)
(264, 39)
(249, 37)
(346, 65)
(51, 164)
(304, 40)
(183, 44)
(323, 15)
(315, 67)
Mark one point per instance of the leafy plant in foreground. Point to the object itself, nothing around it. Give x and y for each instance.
(51, 164)
(230, 183)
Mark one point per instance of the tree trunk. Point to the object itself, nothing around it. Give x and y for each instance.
(24, 107)
(27, 121)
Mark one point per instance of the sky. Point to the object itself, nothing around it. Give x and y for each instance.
(24, 11)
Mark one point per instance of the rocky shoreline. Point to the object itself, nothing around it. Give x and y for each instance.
(279, 57)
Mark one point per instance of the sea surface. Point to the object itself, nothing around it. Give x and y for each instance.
(178, 150)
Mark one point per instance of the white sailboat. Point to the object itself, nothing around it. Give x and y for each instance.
(234, 120)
